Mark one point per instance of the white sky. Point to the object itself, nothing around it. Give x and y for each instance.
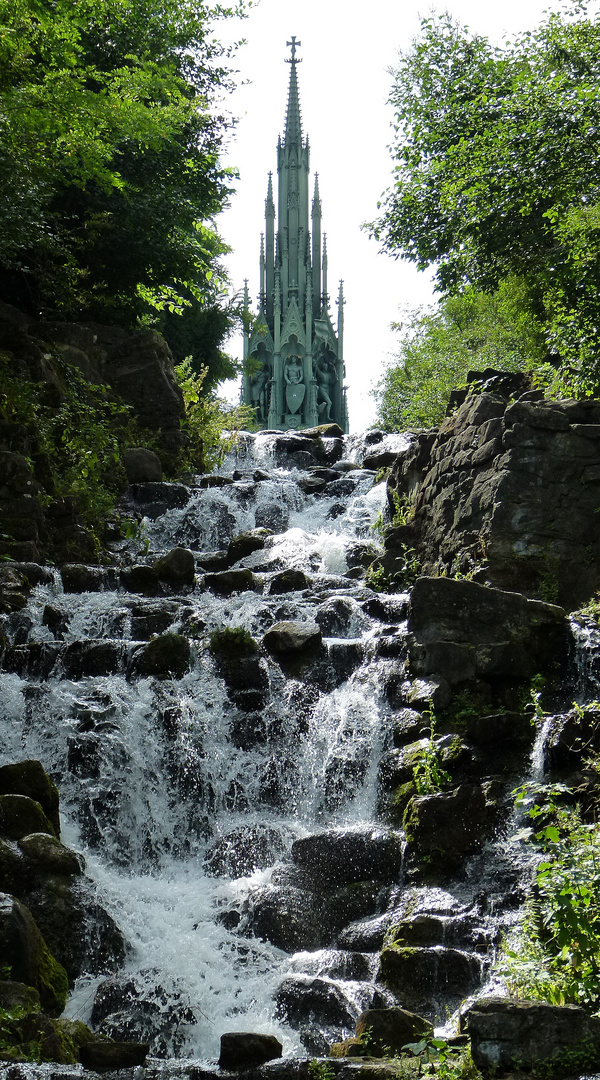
(347, 50)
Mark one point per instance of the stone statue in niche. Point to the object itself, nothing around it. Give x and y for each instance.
(326, 379)
(293, 374)
(260, 382)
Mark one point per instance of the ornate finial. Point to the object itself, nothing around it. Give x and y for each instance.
(292, 45)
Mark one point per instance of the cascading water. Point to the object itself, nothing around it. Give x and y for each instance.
(153, 774)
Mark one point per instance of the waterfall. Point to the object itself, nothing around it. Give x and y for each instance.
(153, 775)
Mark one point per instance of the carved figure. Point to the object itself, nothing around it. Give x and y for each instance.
(295, 388)
(259, 385)
(326, 378)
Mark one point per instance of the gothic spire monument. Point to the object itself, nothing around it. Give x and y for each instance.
(293, 356)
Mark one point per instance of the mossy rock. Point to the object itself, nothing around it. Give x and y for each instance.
(232, 642)
(50, 856)
(17, 997)
(16, 874)
(164, 656)
(394, 806)
(348, 1048)
(31, 779)
(24, 951)
(34, 1036)
(247, 542)
(20, 816)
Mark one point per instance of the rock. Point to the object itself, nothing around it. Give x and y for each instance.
(443, 828)
(20, 815)
(285, 916)
(213, 561)
(561, 1039)
(103, 657)
(154, 499)
(244, 850)
(140, 369)
(340, 617)
(382, 459)
(142, 466)
(274, 516)
(344, 856)
(148, 619)
(24, 951)
(508, 490)
(289, 580)
(302, 999)
(168, 655)
(323, 431)
(229, 582)
(288, 640)
(245, 543)
(418, 976)
(50, 856)
(247, 1049)
(30, 778)
(390, 1030)
(488, 732)
(79, 578)
(177, 567)
(311, 485)
(461, 630)
(213, 480)
(141, 579)
(16, 996)
(106, 1056)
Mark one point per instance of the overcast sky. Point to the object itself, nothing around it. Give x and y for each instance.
(347, 50)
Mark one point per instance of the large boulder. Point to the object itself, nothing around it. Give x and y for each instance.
(419, 976)
(442, 828)
(20, 816)
(142, 465)
(30, 778)
(552, 1040)
(289, 640)
(390, 1029)
(344, 856)
(247, 1049)
(140, 369)
(24, 951)
(460, 630)
(165, 656)
(177, 567)
(508, 490)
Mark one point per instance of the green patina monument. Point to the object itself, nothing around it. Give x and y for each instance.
(293, 363)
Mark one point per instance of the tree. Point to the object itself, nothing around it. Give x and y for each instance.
(109, 155)
(497, 169)
(439, 346)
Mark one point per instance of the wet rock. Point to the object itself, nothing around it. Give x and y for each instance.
(78, 578)
(381, 459)
(245, 543)
(154, 499)
(35, 660)
(249, 731)
(214, 480)
(142, 466)
(390, 1030)
(340, 617)
(443, 828)
(30, 778)
(289, 581)
(261, 474)
(213, 561)
(50, 856)
(311, 485)
(229, 582)
(35, 574)
(488, 732)
(344, 486)
(388, 609)
(572, 735)
(20, 815)
(247, 1049)
(23, 948)
(340, 857)
(461, 630)
(148, 619)
(168, 655)
(244, 850)
(302, 1000)
(420, 693)
(108, 1056)
(274, 516)
(505, 1033)
(417, 976)
(55, 620)
(285, 916)
(104, 657)
(287, 640)
(141, 579)
(323, 431)
(14, 589)
(17, 996)
(177, 567)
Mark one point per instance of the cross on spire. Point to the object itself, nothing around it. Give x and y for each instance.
(292, 45)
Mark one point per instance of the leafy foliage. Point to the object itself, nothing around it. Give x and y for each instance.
(439, 346)
(496, 174)
(211, 424)
(557, 955)
(109, 144)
